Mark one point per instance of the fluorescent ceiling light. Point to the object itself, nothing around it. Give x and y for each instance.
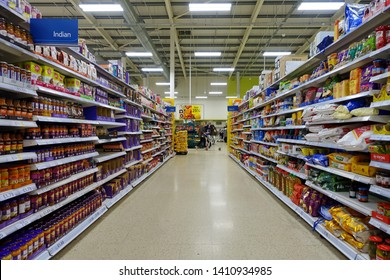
(198, 7)
(223, 69)
(207, 54)
(162, 84)
(276, 53)
(218, 84)
(139, 54)
(215, 92)
(231, 97)
(101, 7)
(320, 6)
(167, 92)
(152, 69)
(201, 97)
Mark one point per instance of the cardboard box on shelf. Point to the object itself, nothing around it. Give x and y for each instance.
(286, 64)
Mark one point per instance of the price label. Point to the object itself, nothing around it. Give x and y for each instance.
(378, 191)
(325, 234)
(27, 189)
(60, 244)
(19, 157)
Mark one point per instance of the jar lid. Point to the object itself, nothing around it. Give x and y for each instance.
(384, 247)
(375, 238)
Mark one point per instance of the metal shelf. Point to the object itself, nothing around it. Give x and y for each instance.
(78, 99)
(42, 142)
(112, 124)
(382, 78)
(342, 246)
(381, 104)
(72, 178)
(132, 163)
(147, 160)
(264, 157)
(281, 127)
(243, 150)
(309, 143)
(127, 117)
(378, 164)
(149, 150)
(19, 90)
(265, 143)
(291, 155)
(80, 228)
(293, 172)
(380, 225)
(17, 157)
(49, 164)
(292, 141)
(133, 148)
(107, 156)
(379, 119)
(345, 174)
(365, 208)
(109, 202)
(380, 190)
(147, 131)
(146, 141)
(16, 192)
(153, 110)
(15, 123)
(128, 101)
(110, 177)
(129, 133)
(143, 177)
(63, 120)
(111, 140)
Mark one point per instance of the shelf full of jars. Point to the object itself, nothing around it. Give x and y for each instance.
(70, 141)
(318, 139)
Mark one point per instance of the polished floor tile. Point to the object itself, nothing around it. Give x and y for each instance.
(200, 206)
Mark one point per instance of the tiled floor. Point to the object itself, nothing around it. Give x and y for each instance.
(200, 206)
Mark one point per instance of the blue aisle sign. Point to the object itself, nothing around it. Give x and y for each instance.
(232, 108)
(55, 32)
(170, 109)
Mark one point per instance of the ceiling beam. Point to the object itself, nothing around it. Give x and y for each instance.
(177, 43)
(102, 32)
(255, 13)
(132, 18)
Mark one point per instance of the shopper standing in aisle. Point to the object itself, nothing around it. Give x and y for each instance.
(203, 143)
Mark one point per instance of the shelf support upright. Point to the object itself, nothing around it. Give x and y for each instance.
(172, 62)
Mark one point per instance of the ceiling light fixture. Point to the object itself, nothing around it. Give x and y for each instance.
(101, 7)
(218, 84)
(139, 54)
(231, 97)
(199, 7)
(162, 84)
(159, 69)
(215, 92)
(207, 54)
(320, 6)
(223, 69)
(276, 53)
(200, 97)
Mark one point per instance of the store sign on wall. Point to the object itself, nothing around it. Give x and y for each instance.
(55, 32)
(232, 108)
(170, 109)
(189, 112)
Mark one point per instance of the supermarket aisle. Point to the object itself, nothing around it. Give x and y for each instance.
(200, 206)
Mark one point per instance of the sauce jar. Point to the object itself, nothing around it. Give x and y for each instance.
(383, 252)
(380, 34)
(16, 73)
(10, 30)
(3, 27)
(362, 194)
(13, 176)
(4, 69)
(16, 253)
(23, 248)
(18, 35)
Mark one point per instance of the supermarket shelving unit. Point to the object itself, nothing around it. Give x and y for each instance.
(245, 156)
(13, 53)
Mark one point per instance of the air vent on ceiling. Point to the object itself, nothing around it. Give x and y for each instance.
(184, 33)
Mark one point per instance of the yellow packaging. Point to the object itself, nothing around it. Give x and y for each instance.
(35, 69)
(294, 118)
(299, 117)
(72, 84)
(338, 165)
(336, 90)
(344, 88)
(363, 168)
(47, 74)
(354, 86)
(346, 158)
(56, 78)
(355, 74)
(334, 228)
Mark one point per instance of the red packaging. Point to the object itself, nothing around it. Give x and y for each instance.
(380, 33)
(388, 34)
